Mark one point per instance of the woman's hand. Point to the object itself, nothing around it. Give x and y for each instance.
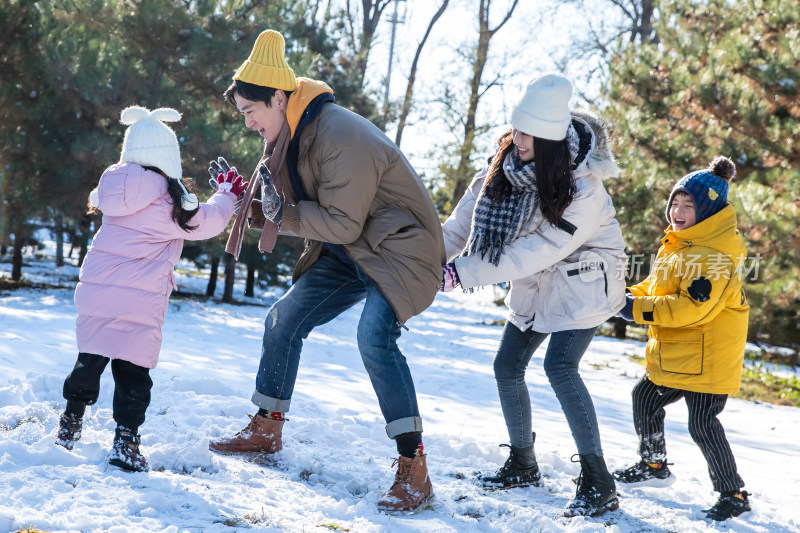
(449, 278)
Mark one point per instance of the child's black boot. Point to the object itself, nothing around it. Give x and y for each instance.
(730, 503)
(69, 430)
(125, 451)
(643, 473)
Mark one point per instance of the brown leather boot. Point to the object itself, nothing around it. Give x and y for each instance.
(262, 435)
(412, 490)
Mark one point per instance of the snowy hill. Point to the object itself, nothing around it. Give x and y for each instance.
(337, 460)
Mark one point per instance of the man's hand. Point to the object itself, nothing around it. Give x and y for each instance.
(270, 201)
(215, 168)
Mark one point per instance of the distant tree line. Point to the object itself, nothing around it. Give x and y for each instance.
(680, 82)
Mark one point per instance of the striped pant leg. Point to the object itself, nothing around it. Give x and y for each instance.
(649, 401)
(707, 432)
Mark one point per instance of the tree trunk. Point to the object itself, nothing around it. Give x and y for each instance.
(230, 277)
(620, 327)
(19, 240)
(4, 217)
(249, 287)
(646, 24)
(401, 123)
(212, 278)
(58, 229)
(85, 229)
(371, 15)
(485, 34)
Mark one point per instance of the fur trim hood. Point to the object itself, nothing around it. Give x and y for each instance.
(599, 160)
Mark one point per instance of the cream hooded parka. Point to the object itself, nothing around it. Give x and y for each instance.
(570, 276)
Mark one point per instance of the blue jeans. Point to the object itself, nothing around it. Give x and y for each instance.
(321, 294)
(564, 353)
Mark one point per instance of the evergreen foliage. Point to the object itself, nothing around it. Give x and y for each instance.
(724, 78)
(69, 68)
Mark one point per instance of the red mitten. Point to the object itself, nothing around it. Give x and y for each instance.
(238, 186)
(231, 182)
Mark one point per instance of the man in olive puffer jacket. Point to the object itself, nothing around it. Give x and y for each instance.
(333, 178)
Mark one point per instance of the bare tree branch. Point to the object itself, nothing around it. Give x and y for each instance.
(406, 108)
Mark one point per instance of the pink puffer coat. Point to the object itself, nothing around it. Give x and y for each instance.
(126, 277)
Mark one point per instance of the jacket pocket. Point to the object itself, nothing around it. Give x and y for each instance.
(576, 292)
(386, 222)
(681, 350)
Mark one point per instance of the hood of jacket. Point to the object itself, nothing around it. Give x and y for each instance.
(127, 188)
(307, 90)
(597, 159)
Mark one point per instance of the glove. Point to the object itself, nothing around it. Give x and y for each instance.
(271, 203)
(449, 278)
(215, 168)
(231, 182)
(627, 311)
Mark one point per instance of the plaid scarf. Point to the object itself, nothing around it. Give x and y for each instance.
(494, 225)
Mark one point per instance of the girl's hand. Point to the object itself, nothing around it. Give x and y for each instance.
(231, 182)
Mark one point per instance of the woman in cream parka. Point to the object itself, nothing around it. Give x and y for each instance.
(540, 217)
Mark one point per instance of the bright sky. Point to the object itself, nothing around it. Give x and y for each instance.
(523, 47)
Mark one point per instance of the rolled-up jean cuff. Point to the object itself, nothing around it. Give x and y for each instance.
(269, 403)
(404, 425)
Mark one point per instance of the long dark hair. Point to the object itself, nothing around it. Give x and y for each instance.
(553, 168)
(180, 215)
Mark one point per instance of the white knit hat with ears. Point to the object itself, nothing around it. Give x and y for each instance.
(543, 109)
(149, 142)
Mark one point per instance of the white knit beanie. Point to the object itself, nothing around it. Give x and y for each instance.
(543, 109)
(150, 142)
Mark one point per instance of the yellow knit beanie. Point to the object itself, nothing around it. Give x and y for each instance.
(266, 65)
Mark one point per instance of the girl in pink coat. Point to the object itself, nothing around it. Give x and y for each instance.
(126, 277)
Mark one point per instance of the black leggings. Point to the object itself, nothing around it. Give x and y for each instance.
(705, 428)
(132, 386)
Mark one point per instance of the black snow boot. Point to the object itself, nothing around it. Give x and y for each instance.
(731, 503)
(596, 491)
(643, 474)
(125, 451)
(520, 470)
(69, 430)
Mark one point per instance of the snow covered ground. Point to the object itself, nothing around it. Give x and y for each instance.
(337, 460)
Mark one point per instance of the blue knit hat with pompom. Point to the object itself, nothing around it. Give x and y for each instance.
(708, 188)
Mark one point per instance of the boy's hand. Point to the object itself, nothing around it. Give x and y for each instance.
(449, 278)
(270, 201)
(627, 311)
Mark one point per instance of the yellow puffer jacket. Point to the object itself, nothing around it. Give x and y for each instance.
(695, 305)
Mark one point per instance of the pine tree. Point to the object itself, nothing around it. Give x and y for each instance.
(723, 79)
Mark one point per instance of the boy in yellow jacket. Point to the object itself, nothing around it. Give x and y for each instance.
(695, 305)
